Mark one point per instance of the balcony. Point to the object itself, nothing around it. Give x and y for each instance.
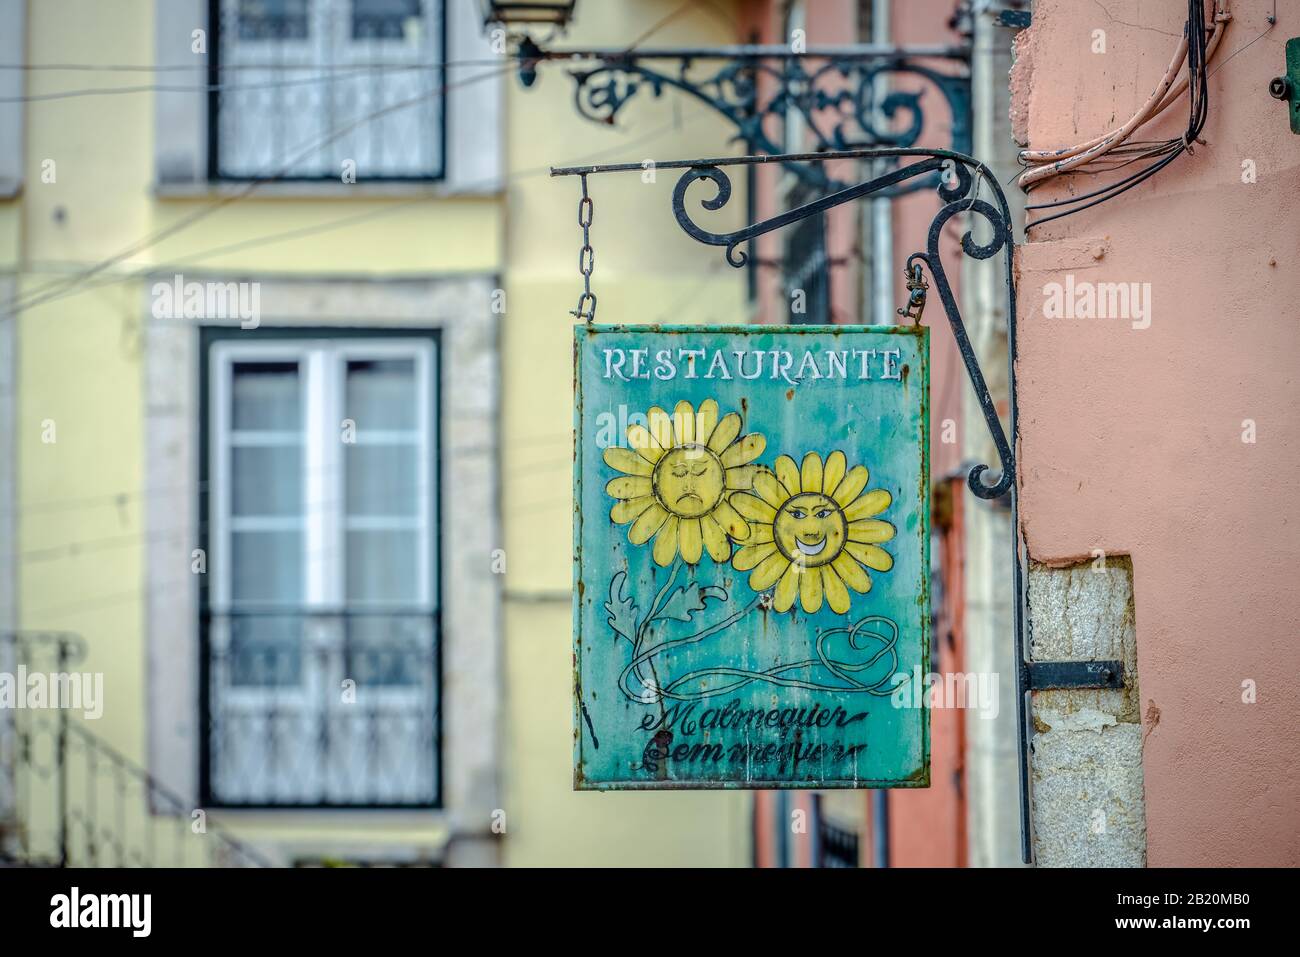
(308, 709)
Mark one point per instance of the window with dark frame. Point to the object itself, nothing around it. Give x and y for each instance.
(319, 632)
(343, 90)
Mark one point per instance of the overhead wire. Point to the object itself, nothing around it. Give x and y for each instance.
(43, 294)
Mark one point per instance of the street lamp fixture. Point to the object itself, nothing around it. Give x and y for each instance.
(555, 13)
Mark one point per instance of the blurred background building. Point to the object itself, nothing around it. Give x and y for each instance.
(311, 522)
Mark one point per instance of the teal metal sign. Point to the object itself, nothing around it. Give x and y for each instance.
(751, 557)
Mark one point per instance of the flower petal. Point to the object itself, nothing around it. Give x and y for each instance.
(730, 521)
(751, 555)
(810, 590)
(767, 485)
(665, 549)
(692, 540)
(741, 477)
(643, 443)
(625, 460)
(744, 451)
(834, 471)
(752, 507)
(873, 556)
(660, 424)
(837, 596)
(810, 473)
(787, 589)
(852, 483)
(873, 503)
(768, 571)
(706, 419)
(715, 539)
(629, 486)
(788, 473)
(724, 433)
(647, 524)
(624, 512)
(759, 532)
(870, 530)
(684, 422)
(852, 573)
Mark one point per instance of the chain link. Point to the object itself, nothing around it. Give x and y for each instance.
(586, 258)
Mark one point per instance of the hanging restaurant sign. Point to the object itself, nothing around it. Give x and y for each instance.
(751, 549)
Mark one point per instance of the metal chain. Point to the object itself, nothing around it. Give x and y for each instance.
(586, 258)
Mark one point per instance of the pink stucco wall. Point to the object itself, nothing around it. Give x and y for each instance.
(1131, 440)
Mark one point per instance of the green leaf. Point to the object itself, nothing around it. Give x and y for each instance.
(622, 611)
(687, 600)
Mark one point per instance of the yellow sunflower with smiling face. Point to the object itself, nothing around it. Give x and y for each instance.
(677, 477)
(812, 531)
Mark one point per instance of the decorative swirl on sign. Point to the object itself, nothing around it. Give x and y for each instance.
(847, 666)
(720, 179)
(959, 191)
(961, 198)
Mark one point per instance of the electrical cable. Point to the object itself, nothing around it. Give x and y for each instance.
(1114, 150)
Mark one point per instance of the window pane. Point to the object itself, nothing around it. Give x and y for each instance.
(266, 567)
(390, 650)
(381, 394)
(273, 19)
(266, 480)
(265, 395)
(311, 73)
(266, 651)
(383, 480)
(382, 566)
(384, 19)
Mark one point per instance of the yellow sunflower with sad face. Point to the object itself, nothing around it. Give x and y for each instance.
(678, 475)
(812, 531)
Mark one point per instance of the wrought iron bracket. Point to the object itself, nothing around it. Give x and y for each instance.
(841, 97)
(961, 179)
(1075, 674)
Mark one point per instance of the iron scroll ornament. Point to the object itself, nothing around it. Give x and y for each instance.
(960, 195)
(843, 98)
(838, 102)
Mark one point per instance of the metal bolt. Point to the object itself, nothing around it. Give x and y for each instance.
(1279, 88)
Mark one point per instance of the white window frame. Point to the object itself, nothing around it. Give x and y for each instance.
(328, 41)
(322, 382)
(458, 310)
(474, 125)
(323, 365)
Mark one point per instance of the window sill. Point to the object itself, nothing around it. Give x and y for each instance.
(219, 189)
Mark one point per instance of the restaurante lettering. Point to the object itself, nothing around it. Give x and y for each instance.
(779, 364)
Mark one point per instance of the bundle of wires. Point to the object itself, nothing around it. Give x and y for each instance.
(1114, 150)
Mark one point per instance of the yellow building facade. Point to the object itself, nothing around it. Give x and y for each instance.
(112, 402)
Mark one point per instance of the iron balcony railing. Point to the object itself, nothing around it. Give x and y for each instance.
(69, 799)
(309, 708)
